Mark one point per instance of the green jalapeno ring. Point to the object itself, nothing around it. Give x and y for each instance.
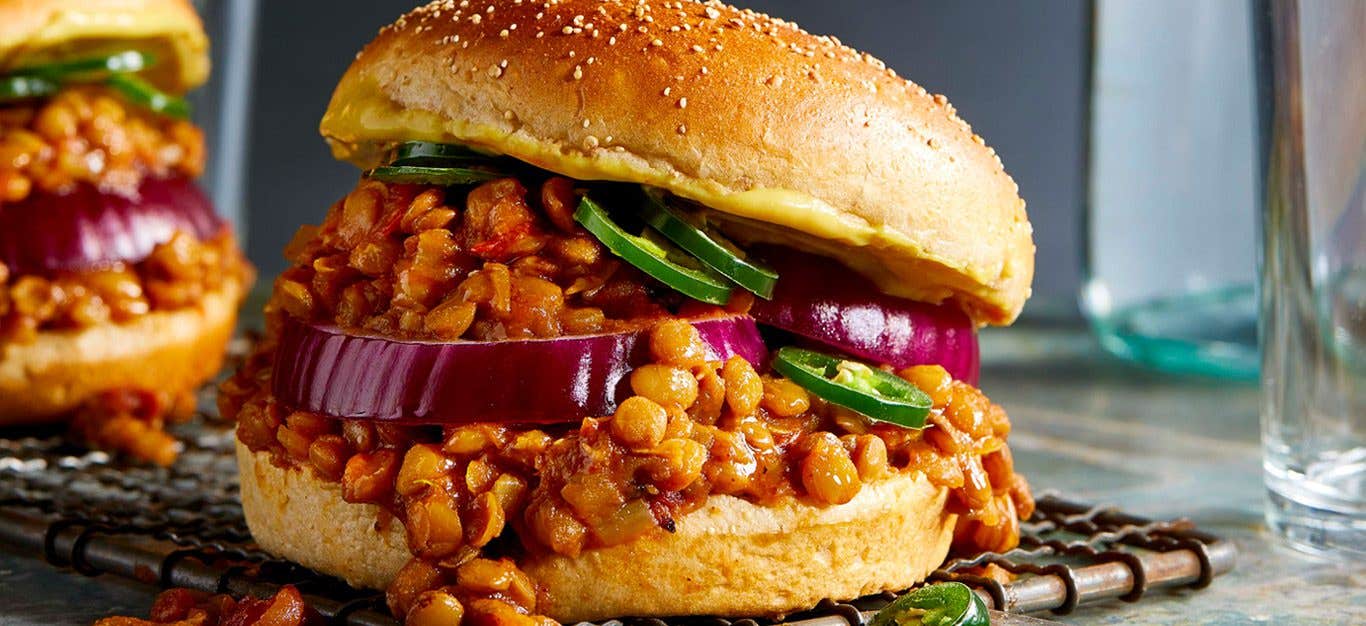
(941, 604)
(447, 176)
(879, 395)
(80, 70)
(651, 257)
(431, 154)
(24, 87)
(708, 247)
(142, 93)
(114, 70)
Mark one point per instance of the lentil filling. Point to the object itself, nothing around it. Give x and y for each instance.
(89, 134)
(175, 275)
(505, 260)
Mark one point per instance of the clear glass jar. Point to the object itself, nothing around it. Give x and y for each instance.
(1314, 276)
(1172, 186)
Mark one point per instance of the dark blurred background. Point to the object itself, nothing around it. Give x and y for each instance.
(1016, 71)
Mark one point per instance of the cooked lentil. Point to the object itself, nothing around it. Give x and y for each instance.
(177, 274)
(89, 134)
(133, 422)
(186, 607)
(495, 262)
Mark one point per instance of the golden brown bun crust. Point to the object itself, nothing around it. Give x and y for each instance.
(34, 31)
(44, 380)
(794, 138)
(730, 557)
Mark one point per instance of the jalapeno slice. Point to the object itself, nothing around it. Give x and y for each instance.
(942, 604)
(115, 70)
(651, 257)
(709, 247)
(880, 395)
(79, 70)
(142, 93)
(22, 87)
(448, 176)
(431, 154)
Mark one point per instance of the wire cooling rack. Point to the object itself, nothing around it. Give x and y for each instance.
(182, 526)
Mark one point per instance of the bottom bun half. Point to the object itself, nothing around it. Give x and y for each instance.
(730, 557)
(44, 380)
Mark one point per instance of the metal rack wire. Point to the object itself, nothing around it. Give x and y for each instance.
(182, 527)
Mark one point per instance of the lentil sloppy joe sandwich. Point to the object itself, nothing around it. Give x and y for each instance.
(118, 283)
(639, 308)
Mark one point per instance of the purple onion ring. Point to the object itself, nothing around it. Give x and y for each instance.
(322, 369)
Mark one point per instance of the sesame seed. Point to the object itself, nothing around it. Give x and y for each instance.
(682, 129)
(578, 75)
(698, 49)
(682, 103)
(495, 71)
(590, 142)
(568, 30)
(509, 115)
(585, 123)
(712, 13)
(612, 41)
(667, 90)
(476, 18)
(503, 33)
(657, 43)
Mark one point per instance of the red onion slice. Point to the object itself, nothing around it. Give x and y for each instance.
(88, 228)
(821, 300)
(323, 370)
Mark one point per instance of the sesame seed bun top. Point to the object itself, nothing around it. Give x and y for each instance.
(791, 138)
(40, 31)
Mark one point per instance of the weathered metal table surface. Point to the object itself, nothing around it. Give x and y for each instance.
(1093, 429)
